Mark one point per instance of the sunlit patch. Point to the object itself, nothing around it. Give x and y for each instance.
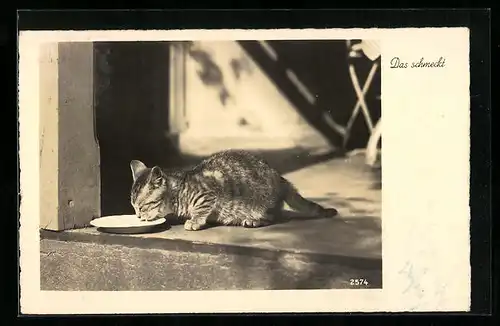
(213, 174)
(293, 263)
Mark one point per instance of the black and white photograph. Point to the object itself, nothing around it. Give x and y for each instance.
(213, 165)
(243, 171)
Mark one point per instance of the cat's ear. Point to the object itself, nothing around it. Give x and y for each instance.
(137, 168)
(156, 176)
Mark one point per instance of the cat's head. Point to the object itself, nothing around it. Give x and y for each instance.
(148, 191)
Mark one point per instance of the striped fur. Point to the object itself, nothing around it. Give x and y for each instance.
(232, 187)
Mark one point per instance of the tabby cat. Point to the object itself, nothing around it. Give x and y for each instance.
(231, 187)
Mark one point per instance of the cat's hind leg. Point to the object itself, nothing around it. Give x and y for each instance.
(256, 222)
(199, 216)
(256, 217)
(242, 214)
(264, 216)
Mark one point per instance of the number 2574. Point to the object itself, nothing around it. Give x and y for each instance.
(358, 281)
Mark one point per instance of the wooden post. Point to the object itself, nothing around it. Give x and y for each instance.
(69, 151)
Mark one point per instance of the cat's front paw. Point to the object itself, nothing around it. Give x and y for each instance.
(191, 225)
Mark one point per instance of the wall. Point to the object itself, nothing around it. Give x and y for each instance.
(238, 90)
(229, 97)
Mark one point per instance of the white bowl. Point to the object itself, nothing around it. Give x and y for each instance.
(126, 224)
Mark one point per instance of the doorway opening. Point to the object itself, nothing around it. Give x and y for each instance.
(131, 100)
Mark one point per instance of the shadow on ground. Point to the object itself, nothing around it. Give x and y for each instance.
(301, 272)
(289, 272)
(317, 235)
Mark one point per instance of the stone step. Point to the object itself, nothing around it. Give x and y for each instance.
(87, 262)
(354, 243)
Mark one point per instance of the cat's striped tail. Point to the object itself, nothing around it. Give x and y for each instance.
(303, 205)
